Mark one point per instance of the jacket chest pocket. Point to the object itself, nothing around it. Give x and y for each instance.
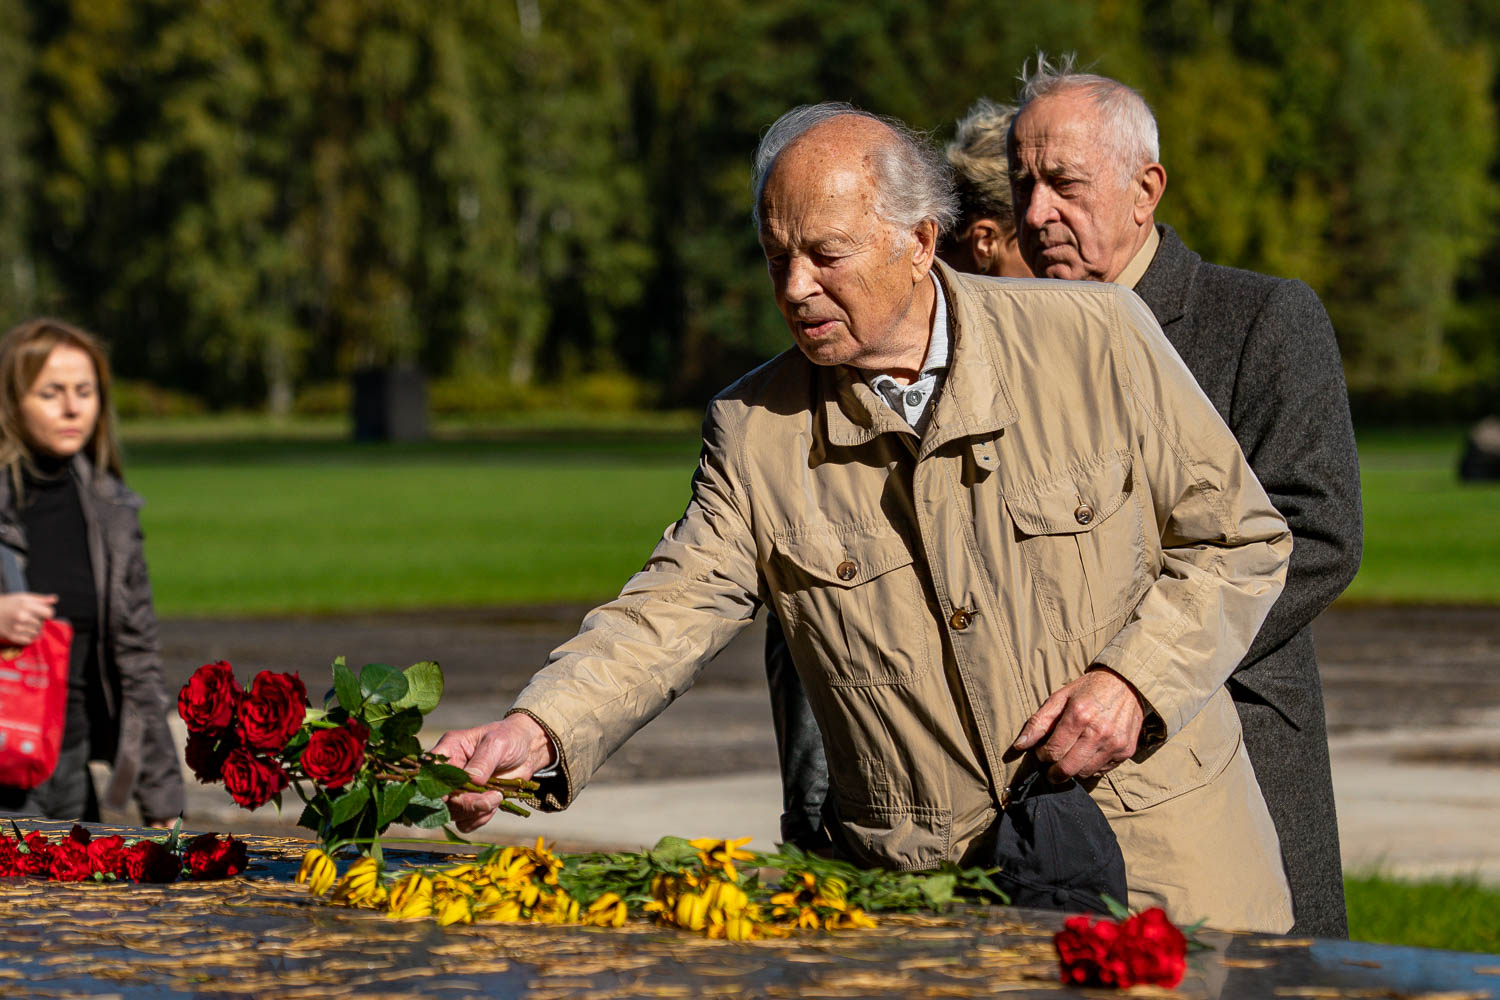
(852, 599)
(1083, 535)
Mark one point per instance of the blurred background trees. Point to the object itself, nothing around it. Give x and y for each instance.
(252, 199)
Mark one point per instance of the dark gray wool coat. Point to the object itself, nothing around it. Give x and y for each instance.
(1264, 353)
(140, 744)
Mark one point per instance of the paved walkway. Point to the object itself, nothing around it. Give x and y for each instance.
(1413, 705)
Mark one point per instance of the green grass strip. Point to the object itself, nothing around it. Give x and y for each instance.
(1457, 914)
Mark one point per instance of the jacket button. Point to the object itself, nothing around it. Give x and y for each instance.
(1084, 514)
(961, 619)
(848, 570)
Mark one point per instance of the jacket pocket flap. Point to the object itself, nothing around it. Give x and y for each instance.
(1193, 757)
(845, 557)
(1074, 502)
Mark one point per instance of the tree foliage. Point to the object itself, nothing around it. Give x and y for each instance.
(250, 197)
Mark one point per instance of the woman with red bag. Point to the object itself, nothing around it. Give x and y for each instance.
(75, 528)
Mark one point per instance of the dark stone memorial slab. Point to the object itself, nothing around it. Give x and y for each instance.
(260, 935)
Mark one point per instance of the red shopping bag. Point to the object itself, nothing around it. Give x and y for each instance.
(33, 705)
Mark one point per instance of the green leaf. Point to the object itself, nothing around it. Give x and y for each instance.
(312, 816)
(350, 803)
(393, 801)
(939, 890)
(407, 746)
(451, 777)
(424, 687)
(406, 722)
(1117, 909)
(346, 686)
(453, 837)
(673, 853)
(439, 817)
(176, 836)
(382, 683)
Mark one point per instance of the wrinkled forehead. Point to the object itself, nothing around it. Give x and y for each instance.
(805, 198)
(1062, 131)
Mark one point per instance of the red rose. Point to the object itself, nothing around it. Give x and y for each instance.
(1151, 950)
(207, 856)
(250, 780)
(12, 861)
(333, 756)
(208, 700)
(1083, 948)
(38, 861)
(79, 834)
(205, 755)
(107, 855)
(1145, 948)
(69, 862)
(273, 711)
(148, 861)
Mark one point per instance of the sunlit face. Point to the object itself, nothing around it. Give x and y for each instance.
(844, 279)
(61, 409)
(1074, 216)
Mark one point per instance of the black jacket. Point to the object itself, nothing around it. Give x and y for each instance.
(139, 742)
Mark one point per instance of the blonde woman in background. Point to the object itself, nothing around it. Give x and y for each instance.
(75, 528)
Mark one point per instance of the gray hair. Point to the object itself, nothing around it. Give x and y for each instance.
(980, 168)
(1129, 126)
(912, 183)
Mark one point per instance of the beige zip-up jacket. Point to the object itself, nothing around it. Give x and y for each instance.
(1076, 500)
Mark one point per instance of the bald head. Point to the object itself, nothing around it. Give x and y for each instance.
(911, 181)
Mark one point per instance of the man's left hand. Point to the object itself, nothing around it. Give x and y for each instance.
(1094, 723)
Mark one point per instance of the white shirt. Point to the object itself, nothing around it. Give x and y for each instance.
(914, 401)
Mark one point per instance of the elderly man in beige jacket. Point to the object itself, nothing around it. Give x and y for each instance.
(995, 517)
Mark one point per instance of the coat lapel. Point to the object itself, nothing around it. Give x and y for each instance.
(1168, 281)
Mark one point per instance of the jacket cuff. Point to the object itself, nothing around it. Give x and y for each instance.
(556, 783)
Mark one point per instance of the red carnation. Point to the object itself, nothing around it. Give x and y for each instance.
(205, 755)
(207, 701)
(12, 861)
(207, 856)
(80, 834)
(107, 855)
(250, 780)
(273, 711)
(69, 862)
(38, 861)
(148, 861)
(333, 756)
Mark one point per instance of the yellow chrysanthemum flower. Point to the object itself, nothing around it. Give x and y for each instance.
(360, 885)
(318, 872)
(411, 897)
(722, 854)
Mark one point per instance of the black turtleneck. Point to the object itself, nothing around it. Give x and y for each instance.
(57, 562)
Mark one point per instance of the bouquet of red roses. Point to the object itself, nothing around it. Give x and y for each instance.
(1145, 948)
(359, 753)
(81, 856)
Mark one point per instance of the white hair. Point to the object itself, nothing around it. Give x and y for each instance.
(1129, 126)
(912, 183)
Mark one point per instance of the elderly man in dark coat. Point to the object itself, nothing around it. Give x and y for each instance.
(1083, 162)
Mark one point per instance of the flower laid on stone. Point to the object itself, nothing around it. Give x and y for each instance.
(707, 886)
(1145, 949)
(358, 755)
(80, 856)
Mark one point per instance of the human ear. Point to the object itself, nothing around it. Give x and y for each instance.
(924, 248)
(985, 245)
(1150, 183)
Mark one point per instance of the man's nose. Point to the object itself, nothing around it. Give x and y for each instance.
(801, 283)
(1039, 207)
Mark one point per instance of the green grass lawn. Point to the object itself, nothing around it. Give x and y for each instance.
(553, 508)
(1428, 537)
(1455, 914)
(262, 527)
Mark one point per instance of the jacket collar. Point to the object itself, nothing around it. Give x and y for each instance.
(1168, 281)
(975, 399)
